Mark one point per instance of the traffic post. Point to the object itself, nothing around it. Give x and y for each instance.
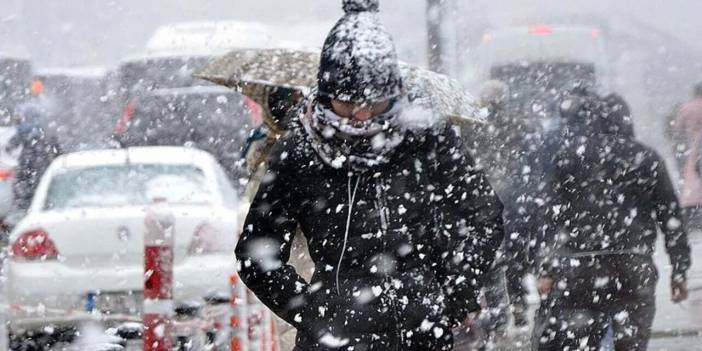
(159, 239)
(255, 317)
(4, 310)
(238, 325)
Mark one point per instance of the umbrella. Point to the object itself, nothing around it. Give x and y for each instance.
(257, 72)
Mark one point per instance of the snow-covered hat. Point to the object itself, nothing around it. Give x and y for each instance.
(359, 61)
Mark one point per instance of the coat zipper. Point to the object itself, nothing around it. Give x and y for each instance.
(352, 200)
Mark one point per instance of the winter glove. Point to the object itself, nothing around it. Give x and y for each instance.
(679, 292)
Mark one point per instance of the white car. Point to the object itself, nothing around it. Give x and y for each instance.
(81, 244)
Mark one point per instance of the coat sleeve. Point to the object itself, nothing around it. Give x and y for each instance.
(264, 247)
(470, 220)
(669, 217)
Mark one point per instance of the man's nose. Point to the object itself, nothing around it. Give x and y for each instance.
(362, 114)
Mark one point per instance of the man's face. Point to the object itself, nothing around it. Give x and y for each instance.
(360, 112)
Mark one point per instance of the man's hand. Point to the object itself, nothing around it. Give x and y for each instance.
(469, 323)
(472, 317)
(545, 285)
(678, 291)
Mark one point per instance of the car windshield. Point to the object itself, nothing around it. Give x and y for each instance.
(127, 185)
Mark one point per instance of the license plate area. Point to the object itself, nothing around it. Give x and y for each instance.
(115, 302)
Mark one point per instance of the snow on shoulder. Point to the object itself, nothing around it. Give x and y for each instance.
(416, 117)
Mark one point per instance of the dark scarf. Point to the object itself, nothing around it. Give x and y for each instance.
(343, 143)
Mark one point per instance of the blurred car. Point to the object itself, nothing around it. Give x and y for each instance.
(15, 77)
(540, 63)
(82, 239)
(77, 110)
(214, 119)
(174, 52)
(161, 71)
(140, 75)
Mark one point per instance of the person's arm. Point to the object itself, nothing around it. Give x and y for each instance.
(14, 142)
(470, 219)
(264, 247)
(549, 213)
(670, 220)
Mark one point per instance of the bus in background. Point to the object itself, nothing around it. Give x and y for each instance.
(539, 63)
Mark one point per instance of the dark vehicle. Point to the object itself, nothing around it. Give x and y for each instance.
(161, 72)
(138, 76)
(78, 106)
(540, 63)
(15, 77)
(213, 119)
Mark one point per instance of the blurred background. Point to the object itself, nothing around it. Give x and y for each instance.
(653, 48)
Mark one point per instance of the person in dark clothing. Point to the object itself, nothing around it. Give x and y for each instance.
(400, 225)
(608, 197)
(502, 149)
(38, 150)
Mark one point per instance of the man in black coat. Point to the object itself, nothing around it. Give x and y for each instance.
(609, 195)
(39, 149)
(400, 225)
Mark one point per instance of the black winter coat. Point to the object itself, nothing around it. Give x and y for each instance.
(399, 250)
(39, 149)
(609, 195)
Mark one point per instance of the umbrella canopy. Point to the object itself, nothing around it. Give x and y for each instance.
(258, 72)
(254, 71)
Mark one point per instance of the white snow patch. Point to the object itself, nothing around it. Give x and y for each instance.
(581, 150)
(673, 224)
(333, 341)
(426, 325)
(338, 162)
(601, 282)
(621, 316)
(401, 210)
(438, 332)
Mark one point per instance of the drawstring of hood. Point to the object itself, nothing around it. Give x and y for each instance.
(352, 200)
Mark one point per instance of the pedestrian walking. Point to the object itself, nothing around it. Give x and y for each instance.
(38, 149)
(400, 224)
(609, 195)
(504, 152)
(688, 129)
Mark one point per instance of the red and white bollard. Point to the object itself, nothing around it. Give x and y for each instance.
(274, 336)
(4, 310)
(159, 239)
(267, 329)
(257, 328)
(239, 322)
